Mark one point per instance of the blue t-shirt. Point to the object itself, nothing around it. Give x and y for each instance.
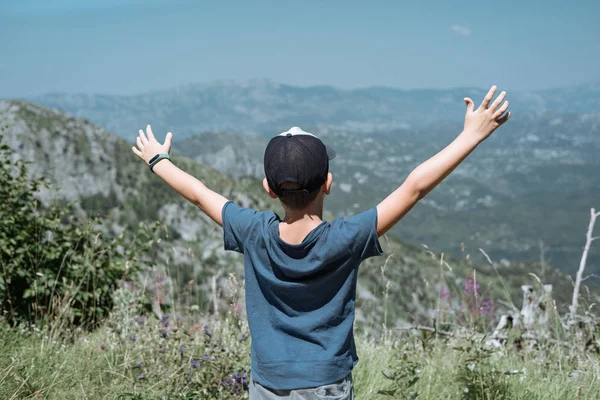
(300, 298)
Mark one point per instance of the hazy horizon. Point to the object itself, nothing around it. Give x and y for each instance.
(278, 83)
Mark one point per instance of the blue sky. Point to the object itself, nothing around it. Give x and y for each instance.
(133, 46)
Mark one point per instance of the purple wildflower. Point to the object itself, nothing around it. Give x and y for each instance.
(445, 294)
(164, 333)
(141, 376)
(102, 346)
(236, 382)
(195, 363)
(163, 349)
(181, 350)
(133, 338)
(207, 331)
(138, 365)
(471, 287)
(488, 308)
(165, 320)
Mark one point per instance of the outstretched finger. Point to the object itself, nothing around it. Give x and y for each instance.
(137, 152)
(488, 97)
(469, 103)
(143, 136)
(168, 141)
(503, 118)
(149, 132)
(140, 144)
(501, 110)
(498, 101)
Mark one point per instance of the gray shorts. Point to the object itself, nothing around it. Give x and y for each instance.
(340, 390)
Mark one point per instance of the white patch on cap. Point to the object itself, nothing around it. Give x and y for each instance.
(297, 131)
(331, 154)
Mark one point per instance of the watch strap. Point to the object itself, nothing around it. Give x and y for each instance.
(154, 160)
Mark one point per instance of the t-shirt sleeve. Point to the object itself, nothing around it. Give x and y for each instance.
(360, 231)
(237, 225)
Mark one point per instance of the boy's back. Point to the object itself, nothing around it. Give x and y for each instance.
(300, 297)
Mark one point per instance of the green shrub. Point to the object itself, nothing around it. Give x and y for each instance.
(476, 374)
(404, 371)
(46, 254)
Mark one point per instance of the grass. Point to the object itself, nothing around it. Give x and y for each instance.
(144, 363)
(463, 370)
(189, 354)
(102, 365)
(192, 354)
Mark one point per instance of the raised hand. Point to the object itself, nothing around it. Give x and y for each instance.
(148, 146)
(487, 117)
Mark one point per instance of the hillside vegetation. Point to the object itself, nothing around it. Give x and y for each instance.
(97, 172)
(524, 194)
(165, 331)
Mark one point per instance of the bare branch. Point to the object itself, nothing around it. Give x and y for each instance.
(590, 276)
(424, 328)
(586, 249)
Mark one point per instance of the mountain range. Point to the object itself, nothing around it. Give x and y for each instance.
(263, 106)
(97, 172)
(524, 194)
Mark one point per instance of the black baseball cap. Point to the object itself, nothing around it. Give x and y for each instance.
(299, 157)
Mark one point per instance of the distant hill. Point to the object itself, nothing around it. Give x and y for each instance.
(97, 171)
(264, 106)
(543, 163)
(533, 181)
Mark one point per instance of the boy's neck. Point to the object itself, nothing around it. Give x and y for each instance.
(297, 224)
(312, 213)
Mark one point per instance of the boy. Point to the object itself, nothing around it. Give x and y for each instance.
(300, 271)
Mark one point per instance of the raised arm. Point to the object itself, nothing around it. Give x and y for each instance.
(479, 124)
(211, 203)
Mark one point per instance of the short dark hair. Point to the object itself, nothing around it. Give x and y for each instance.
(297, 202)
